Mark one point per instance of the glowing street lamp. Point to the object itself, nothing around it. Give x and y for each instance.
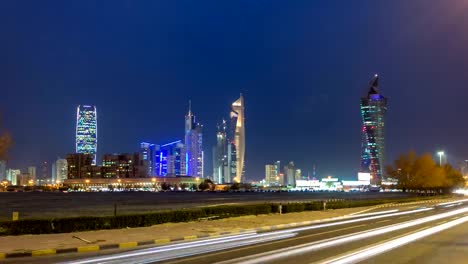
(440, 153)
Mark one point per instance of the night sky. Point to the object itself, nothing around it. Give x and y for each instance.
(301, 65)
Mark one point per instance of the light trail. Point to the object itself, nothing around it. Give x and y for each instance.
(454, 202)
(275, 255)
(384, 247)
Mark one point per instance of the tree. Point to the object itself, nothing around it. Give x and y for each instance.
(423, 174)
(235, 186)
(165, 186)
(183, 186)
(207, 184)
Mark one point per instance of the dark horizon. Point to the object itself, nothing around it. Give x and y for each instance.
(301, 66)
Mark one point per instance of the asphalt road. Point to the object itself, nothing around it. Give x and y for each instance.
(419, 235)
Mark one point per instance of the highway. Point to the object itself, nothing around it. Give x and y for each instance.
(419, 235)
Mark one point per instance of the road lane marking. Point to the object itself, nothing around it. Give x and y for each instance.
(395, 243)
(274, 242)
(276, 255)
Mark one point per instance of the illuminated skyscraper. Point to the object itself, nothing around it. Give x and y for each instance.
(60, 170)
(373, 109)
(271, 175)
(193, 145)
(237, 137)
(86, 130)
(220, 160)
(170, 159)
(148, 152)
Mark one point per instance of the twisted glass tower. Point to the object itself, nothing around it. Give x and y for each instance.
(86, 130)
(238, 137)
(373, 109)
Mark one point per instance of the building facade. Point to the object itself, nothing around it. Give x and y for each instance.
(12, 176)
(193, 146)
(271, 175)
(373, 109)
(78, 164)
(290, 174)
(32, 173)
(60, 170)
(86, 130)
(237, 138)
(221, 172)
(148, 153)
(123, 166)
(171, 159)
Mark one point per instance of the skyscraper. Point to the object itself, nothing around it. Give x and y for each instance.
(373, 109)
(86, 130)
(237, 137)
(61, 170)
(32, 173)
(148, 152)
(193, 145)
(220, 151)
(11, 175)
(170, 159)
(290, 174)
(271, 176)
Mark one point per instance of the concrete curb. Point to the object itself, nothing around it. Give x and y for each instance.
(163, 241)
(123, 245)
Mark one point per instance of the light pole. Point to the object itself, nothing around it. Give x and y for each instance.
(440, 153)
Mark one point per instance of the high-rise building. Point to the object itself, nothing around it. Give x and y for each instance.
(60, 170)
(44, 177)
(278, 167)
(77, 165)
(373, 109)
(12, 176)
(3, 175)
(298, 174)
(171, 159)
(193, 145)
(86, 130)
(32, 174)
(271, 176)
(148, 152)
(237, 138)
(124, 166)
(290, 174)
(220, 155)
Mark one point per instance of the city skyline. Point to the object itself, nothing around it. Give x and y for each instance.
(301, 92)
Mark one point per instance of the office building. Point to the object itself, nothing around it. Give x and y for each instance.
(278, 167)
(271, 175)
(373, 109)
(221, 173)
(123, 166)
(171, 159)
(25, 179)
(3, 175)
(12, 176)
(193, 145)
(60, 171)
(32, 174)
(290, 174)
(298, 174)
(86, 130)
(237, 138)
(148, 152)
(44, 176)
(79, 164)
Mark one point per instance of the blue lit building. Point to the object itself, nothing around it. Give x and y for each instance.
(86, 130)
(373, 109)
(148, 154)
(170, 159)
(193, 146)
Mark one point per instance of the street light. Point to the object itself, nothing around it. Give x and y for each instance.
(440, 153)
